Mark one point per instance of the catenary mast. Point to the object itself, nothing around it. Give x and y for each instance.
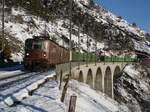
(3, 25)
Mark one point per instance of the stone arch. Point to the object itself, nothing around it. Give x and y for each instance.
(80, 78)
(89, 79)
(98, 80)
(115, 76)
(117, 70)
(108, 82)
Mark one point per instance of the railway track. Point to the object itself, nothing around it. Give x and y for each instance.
(9, 82)
(13, 84)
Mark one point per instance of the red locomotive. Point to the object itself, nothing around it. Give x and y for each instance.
(43, 52)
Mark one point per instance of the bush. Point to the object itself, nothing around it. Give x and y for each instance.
(7, 52)
(134, 24)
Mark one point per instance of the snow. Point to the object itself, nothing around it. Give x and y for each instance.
(24, 83)
(28, 25)
(18, 11)
(47, 98)
(106, 17)
(144, 86)
(31, 25)
(130, 70)
(4, 74)
(82, 2)
(17, 57)
(141, 46)
(132, 88)
(89, 100)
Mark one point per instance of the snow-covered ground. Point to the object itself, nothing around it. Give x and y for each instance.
(89, 100)
(15, 85)
(47, 99)
(131, 90)
(6, 74)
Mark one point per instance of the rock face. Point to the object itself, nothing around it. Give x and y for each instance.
(132, 88)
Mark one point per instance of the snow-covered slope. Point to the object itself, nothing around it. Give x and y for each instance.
(88, 100)
(106, 18)
(22, 24)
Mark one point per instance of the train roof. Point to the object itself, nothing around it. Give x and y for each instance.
(45, 38)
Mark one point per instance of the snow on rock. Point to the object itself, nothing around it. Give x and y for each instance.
(106, 16)
(141, 46)
(17, 57)
(82, 2)
(24, 93)
(9, 101)
(32, 87)
(3, 104)
(133, 88)
(131, 70)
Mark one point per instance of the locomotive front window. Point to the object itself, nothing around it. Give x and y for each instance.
(28, 44)
(37, 45)
(34, 45)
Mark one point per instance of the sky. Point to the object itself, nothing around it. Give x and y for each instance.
(137, 11)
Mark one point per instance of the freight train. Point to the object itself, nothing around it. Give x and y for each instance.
(44, 53)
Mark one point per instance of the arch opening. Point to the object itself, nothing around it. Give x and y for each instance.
(98, 80)
(117, 71)
(80, 79)
(108, 82)
(89, 80)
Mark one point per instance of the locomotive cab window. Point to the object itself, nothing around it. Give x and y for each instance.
(37, 45)
(28, 44)
(34, 45)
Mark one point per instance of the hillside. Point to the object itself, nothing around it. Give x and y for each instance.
(27, 18)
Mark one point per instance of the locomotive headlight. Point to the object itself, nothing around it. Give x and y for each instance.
(27, 54)
(44, 55)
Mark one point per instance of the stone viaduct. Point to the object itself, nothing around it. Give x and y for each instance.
(98, 76)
